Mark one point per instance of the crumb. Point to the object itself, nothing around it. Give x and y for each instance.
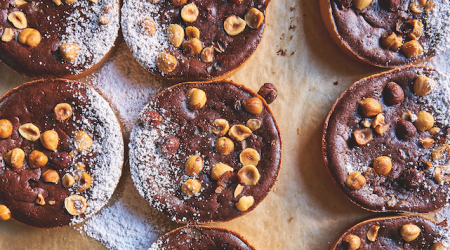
(291, 219)
(335, 83)
(298, 130)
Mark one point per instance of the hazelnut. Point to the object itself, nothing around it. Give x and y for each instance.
(196, 99)
(191, 187)
(84, 181)
(268, 92)
(412, 49)
(68, 2)
(14, 157)
(192, 32)
(19, 2)
(165, 62)
(249, 156)
(207, 54)
(438, 246)
(370, 107)
(426, 142)
(80, 167)
(363, 136)
(361, 4)
(239, 132)
(193, 165)
(57, 2)
(434, 131)
(18, 19)
(424, 121)
(254, 18)
(366, 123)
(253, 105)
(40, 200)
(382, 165)
(391, 5)
(391, 41)
(29, 131)
(147, 27)
(249, 175)
(415, 8)
(224, 145)
(238, 190)
(82, 141)
(68, 180)
(51, 203)
(8, 35)
(220, 127)
(417, 28)
(175, 34)
(37, 159)
(372, 233)
(253, 124)
(244, 203)
(189, 12)
(69, 51)
(102, 19)
(50, 176)
(379, 125)
(63, 111)
(170, 145)
(423, 85)
(192, 46)
(440, 152)
(50, 140)
(355, 181)
(352, 242)
(393, 93)
(5, 213)
(75, 204)
(405, 130)
(441, 174)
(5, 128)
(409, 232)
(178, 3)
(234, 25)
(150, 118)
(219, 169)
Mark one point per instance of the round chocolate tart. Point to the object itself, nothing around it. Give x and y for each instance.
(385, 141)
(201, 238)
(61, 153)
(205, 152)
(388, 33)
(401, 232)
(57, 39)
(195, 40)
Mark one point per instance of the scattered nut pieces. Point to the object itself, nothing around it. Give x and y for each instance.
(382, 165)
(84, 181)
(370, 107)
(363, 136)
(192, 46)
(207, 54)
(50, 176)
(196, 99)
(175, 34)
(234, 25)
(253, 124)
(361, 4)
(249, 156)
(373, 233)
(8, 35)
(40, 200)
(189, 12)
(102, 19)
(14, 157)
(63, 111)
(5, 128)
(239, 132)
(79, 167)
(412, 49)
(75, 204)
(379, 125)
(417, 28)
(69, 51)
(37, 159)
(51, 203)
(393, 93)
(192, 32)
(424, 122)
(253, 105)
(238, 190)
(440, 152)
(269, 92)
(409, 232)
(423, 85)
(405, 130)
(50, 140)
(18, 19)
(434, 131)
(147, 27)
(165, 62)
(220, 127)
(367, 123)
(193, 165)
(245, 202)
(426, 142)
(219, 169)
(178, 3)
(391, 41)
(5, 213)
(224, 145)
(441, 174)
(249, 175)
(82, 141)
(254, 18)
(29, 131)
(68, 180)
(415, 8)
(355, 180)
(191, 187)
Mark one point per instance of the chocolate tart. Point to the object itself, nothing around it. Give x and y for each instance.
(77, 36)
(145, 28)
(179, 164)
(201, 238)
(72, 153)
(394, 158)
(388, 33)
(400, 232)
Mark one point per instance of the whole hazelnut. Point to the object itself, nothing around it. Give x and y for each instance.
(355, 180)
(82, 141)
(37, 159)
(50, 140)
(405, 130)
(220, 127)
(165, 62)
(393, 93)
(370, 107)
(253, 105)
(189, 12)
(75, 204)
(193, 165)
(149, 118)
(239, 132)
(63, 111)
(361, 4)
(219, 169)
(382, 165)
(29, 131)
(68, 180)
(249, 156)
(244, 203)
(179, 3)
(234, 25)
(352, 241)
(170, 145)
(372, 233)
(175, 34)
(5, 213)
(409, 232)
(196, 99)
(69, 51)
(254, 18)
(192, 32)
(224, 145)
(207, 54)
(249, 175)
(18, 19)
(147, 27)
(424, 122)
(5, 128)
(269, 92)
(193, 46)
(438, 246)
(50, 176)
(423, 85)
(84, 181)
(191, 187)
(412, 49)
(14, 157)
(30, 37)
(363, 136)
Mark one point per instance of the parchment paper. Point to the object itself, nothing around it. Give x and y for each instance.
(305, 210)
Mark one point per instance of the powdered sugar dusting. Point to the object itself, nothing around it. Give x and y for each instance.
(438, 26)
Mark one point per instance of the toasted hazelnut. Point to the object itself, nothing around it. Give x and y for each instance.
(19, 2)
(363, 136)
(219, 169)
(68, 2)
(84, 181)
(361, 4)
(412, 49)
(254, 18)
(50, 140)
(239, 132)
(75, 204)
(380, 129)
(438, 246)
(393, 93)
(5, 213)
(352, 241)
(14, 157)
(79, 167)
(178, 3)
(366, 123)
(170, 145)
(391, 41)
(69, 51)
(440, 152)
(234, 25)
(150, 118)
(193, 165)
(63, 111)
(192, 46)
(224, 145)
(253, 124)
(37, 159)
(417, 27)
(370, 107)
(82, 141)
(424, 121)
(196, 99)
(373, 233)
(249, 156)
(191, 187)
(423, 85)
(175, 34)
(269, 92)
(192, 32)
(405, 130)
(244, 203)
(147, 27)
(249, 175)
(8, 35)
(379, 125)
(434, 131)
(5, 128)
(382, 165)
(253, 105)
(40, 200)
(189, 12)
(18, 19)
(355, 181)
(102, 19)
(50, 176)
(409, 232)
(68, 180)
(441, 174)
(29, 131)
(426, 142)
(57, 2)
(220, 127)
(238, 190)
(415, 8)
(166, 63)
(207, 54)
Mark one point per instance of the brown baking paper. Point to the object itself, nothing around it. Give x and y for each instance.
(305, 210)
